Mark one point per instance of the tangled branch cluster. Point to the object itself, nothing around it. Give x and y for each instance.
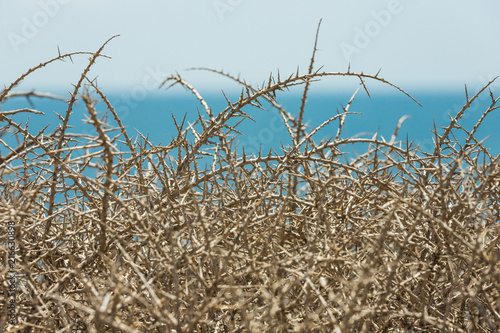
(300, 239)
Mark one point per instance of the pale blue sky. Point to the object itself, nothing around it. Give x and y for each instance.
(418, 44)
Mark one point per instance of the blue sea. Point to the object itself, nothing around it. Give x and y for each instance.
(151, 115)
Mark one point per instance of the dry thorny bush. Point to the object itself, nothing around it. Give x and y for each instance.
(300, 239)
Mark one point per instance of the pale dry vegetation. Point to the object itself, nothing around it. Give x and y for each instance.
(295, 239)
